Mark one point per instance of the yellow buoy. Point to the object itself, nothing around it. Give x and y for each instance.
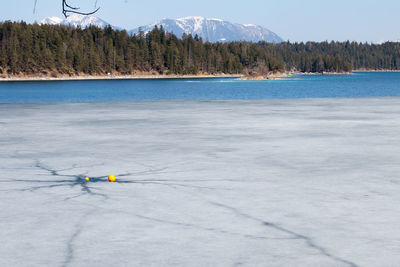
(87, 179)
(111, 178)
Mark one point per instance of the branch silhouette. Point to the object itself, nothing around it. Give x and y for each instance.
(68, 9)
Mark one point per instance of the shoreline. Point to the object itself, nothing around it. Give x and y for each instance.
(240, 77)
(376, 70)
(116, 77)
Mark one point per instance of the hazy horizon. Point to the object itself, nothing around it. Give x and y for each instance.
(310, 20)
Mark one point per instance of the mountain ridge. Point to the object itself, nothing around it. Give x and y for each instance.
(210, 29)
(213, 29)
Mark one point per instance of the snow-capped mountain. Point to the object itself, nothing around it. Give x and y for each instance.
(214, 30)
(51, 20)
(76, 20)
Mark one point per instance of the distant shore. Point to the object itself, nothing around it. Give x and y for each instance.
(244, 77)
(266, 77)
(363, 70)
(115, 77)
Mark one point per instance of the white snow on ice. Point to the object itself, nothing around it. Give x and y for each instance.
(218, 183)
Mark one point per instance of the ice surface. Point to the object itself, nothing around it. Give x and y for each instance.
(252, 183)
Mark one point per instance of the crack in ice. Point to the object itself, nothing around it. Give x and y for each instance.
(70, 244)
(295, 235)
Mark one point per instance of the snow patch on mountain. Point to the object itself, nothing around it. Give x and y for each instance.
(385, 41)
(51, 20)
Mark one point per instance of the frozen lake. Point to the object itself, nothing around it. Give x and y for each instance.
(301, 182)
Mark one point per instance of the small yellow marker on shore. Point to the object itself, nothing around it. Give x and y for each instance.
(111, 178)
(87, 179)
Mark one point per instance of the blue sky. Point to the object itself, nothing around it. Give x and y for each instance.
(294, 20)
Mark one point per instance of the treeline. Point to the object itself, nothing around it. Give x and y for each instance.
(31, 49)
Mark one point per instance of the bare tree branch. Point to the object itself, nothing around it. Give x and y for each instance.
(34, 7)
(67, 9)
